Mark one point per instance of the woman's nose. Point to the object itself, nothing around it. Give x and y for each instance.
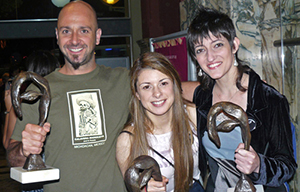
(210, 55)
(156, 92)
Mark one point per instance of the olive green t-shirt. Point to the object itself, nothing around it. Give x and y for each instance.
(87, 112)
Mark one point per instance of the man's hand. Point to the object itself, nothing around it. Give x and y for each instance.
(33, 138)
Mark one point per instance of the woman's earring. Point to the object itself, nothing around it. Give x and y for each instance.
(200, 73)
(235, 63)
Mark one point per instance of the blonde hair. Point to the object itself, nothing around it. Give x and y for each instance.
(181, 139)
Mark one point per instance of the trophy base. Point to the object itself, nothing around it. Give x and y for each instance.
(259, 188)
(23, 176)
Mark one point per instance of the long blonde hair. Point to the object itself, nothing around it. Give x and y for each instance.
(181, 139)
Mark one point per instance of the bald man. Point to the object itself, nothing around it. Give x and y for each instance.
(86, 161)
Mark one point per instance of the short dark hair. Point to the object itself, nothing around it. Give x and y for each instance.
(208, 20)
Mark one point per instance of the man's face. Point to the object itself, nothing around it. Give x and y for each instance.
(77, 34)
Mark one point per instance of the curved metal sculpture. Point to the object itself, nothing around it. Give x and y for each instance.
(140, 172)
(33, 161)
(237, 117)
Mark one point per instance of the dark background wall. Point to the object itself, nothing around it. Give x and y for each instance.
(160, 17)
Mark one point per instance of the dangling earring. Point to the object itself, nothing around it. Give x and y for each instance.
(200, 73)
(235, 63)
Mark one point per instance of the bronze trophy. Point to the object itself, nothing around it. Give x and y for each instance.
(34, 169)
(140, 172)
(237, 116)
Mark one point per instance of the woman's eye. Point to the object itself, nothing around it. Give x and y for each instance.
(164, 83)
(199, 50)
(219, 45)
(146, 87)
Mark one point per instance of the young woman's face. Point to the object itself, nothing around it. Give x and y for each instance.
(155, 91)
(215, 56)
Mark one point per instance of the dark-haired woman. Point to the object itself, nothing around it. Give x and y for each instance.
(213, 45)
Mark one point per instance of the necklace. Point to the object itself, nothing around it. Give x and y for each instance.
(233, 94)
(230, 97)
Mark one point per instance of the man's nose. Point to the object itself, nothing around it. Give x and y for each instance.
(75, 38)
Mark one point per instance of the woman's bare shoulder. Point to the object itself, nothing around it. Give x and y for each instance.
(126, 134)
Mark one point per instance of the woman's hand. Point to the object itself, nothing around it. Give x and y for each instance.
(156, 185)
(246, 161)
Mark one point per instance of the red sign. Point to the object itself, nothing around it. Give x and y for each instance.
(176, 51)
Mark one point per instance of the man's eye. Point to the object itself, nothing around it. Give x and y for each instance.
(85, 31)
(65, 31)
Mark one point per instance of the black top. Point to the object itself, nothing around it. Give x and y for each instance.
(270, 112)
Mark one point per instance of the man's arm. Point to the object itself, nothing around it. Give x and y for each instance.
(15, 155)
(33, 137)
(10, 121)
(188, 88)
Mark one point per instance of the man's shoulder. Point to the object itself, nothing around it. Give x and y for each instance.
(117, 73)
(116, 70)
(51, 75)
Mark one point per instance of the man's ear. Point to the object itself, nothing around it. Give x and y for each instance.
(236, 45)
(56, 33)
(98, 36)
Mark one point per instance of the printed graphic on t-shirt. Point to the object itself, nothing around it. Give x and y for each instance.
(87, 118)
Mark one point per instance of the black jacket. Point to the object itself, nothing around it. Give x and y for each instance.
(271, 138)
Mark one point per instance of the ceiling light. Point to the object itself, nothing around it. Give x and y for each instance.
(111, 2)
